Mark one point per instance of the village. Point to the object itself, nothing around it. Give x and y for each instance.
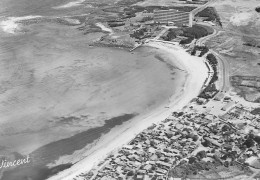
(216, 136)
(186, 144)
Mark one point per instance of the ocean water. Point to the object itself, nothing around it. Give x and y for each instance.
(36, 7)
(58, 94)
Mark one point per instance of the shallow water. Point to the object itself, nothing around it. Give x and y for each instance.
(55, 87)
(37, 169)
(51, 79)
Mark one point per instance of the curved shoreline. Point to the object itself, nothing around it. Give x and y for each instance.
(196, 75)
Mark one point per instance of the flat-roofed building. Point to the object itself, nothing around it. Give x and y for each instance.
(173, 16)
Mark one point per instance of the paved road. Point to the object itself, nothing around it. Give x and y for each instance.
(202, 41)
(197, 10)
(225, 71)
(224, 68)
(161, 33)
(167, 42)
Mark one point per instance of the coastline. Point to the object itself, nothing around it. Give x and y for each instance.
(121, 135)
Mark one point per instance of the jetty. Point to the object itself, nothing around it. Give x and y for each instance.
(136, 46)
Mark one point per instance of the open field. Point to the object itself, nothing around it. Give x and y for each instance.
(239, 41)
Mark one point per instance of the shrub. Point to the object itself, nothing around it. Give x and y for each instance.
(211, 15)
(130, 173)
(256, 111)
(186, 41)
(195, 32)
(249, 143)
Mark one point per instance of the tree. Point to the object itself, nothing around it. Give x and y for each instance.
(249, 143)
(192, 160)
(130, 173)
(201, 154)
(206, 143)
(257, 139)
(225, 128)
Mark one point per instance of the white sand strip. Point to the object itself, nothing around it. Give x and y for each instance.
(197, 73)
(104, 28)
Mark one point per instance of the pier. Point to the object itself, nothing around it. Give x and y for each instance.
(137, 46)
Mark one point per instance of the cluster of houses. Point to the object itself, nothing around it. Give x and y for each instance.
(160, 149)
(242, 117)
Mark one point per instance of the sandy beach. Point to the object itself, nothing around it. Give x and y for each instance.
(188, 88)
(61, 87)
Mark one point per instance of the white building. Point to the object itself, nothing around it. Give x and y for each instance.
(173, 16)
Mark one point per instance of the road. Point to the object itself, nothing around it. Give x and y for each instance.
(154, 39)
(197, 10)
(161, 33)
(224, 68)
(223, 63)
(167, 42)
(201, 41)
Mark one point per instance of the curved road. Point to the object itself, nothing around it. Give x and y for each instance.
(197, 10)
(224, 68)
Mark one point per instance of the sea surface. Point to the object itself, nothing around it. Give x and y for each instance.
(58, 94)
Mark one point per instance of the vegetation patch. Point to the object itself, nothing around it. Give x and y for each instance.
(203, 50)
(213, 62)
(211, 15)
(205, 170)
(248, 81)
(194, 32)
(128, 2)
(248, 87)
(116, 23)
(257, 9)
(210, 91)
(251, 45)
(140, 34)
(256, 111)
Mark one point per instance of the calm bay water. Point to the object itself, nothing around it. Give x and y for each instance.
(58, 94)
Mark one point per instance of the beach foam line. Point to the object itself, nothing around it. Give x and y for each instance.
(70, 4)
(10, 24)
(104, 28)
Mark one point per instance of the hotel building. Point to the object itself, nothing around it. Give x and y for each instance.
(173, 16)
